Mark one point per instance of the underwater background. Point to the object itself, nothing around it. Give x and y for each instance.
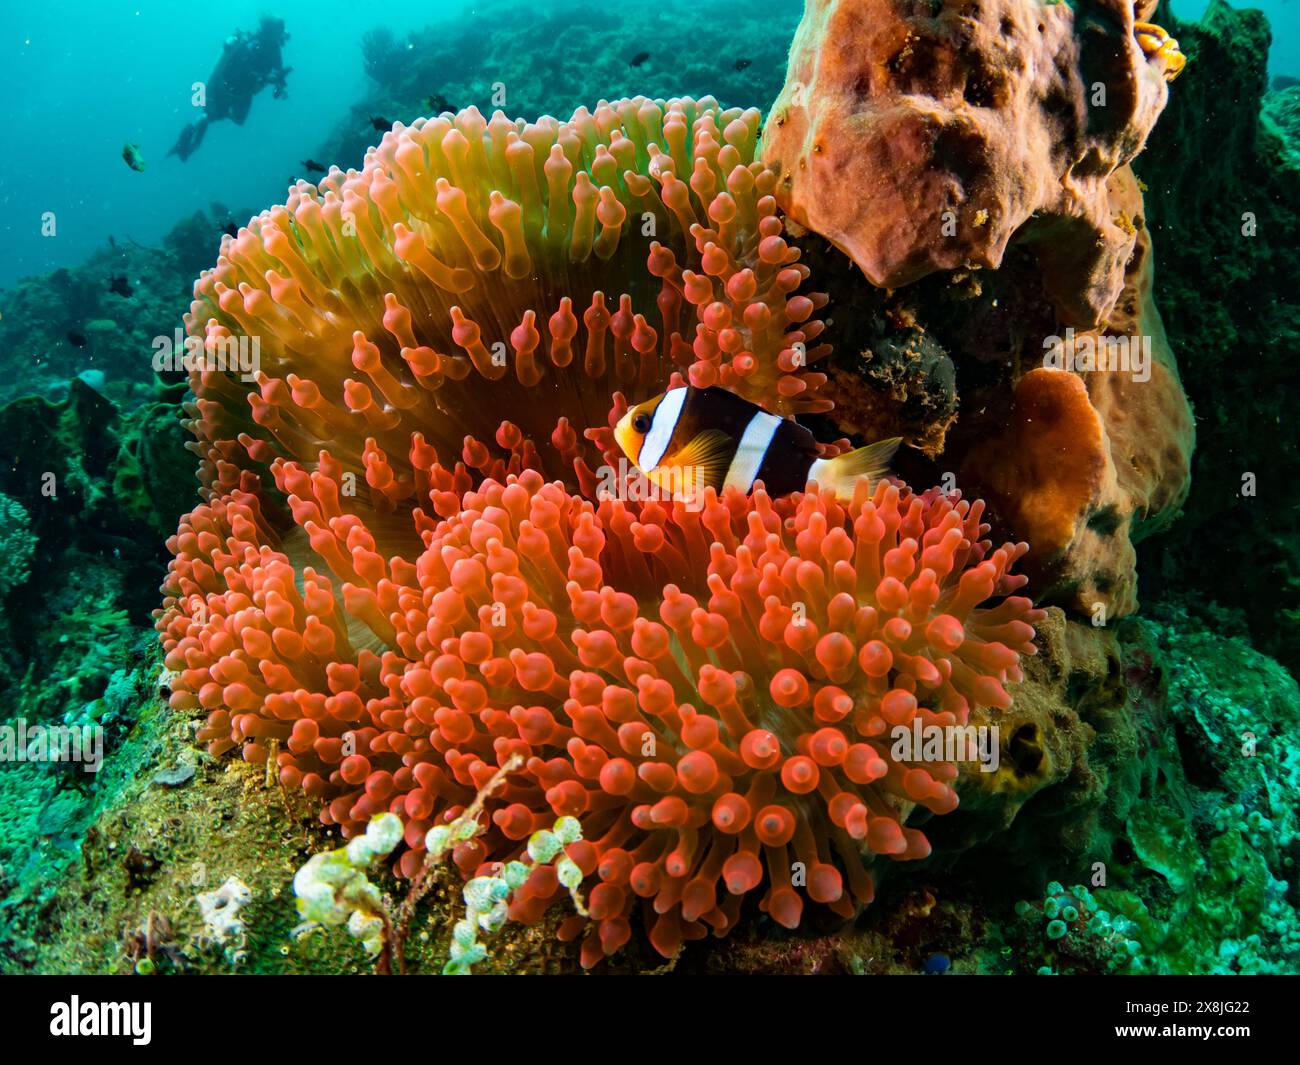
(1143, 817)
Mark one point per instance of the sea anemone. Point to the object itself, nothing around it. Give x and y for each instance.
(708, 688)
(461, 275)
(709, 691)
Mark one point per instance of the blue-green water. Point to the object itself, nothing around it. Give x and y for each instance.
(78, 80)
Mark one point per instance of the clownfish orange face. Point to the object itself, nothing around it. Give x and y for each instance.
(637, 425)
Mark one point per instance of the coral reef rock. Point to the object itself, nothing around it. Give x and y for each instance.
(926, 137)
(1091, 462)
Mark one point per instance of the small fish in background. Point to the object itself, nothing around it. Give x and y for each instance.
(231, 228)
(689, 439)
(313, 167)
(380, 123)
(638, 59)
(132, 156)
(742, 64)
(77, 340)
(120, 285)
(437, 104)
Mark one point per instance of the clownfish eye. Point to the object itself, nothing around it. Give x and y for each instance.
(641, 423)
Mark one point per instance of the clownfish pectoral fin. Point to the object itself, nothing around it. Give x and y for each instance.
(843, 472)
(700, 464)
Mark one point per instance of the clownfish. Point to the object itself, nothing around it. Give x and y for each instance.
(689, 439)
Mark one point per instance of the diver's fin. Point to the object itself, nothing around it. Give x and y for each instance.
(843, 472)
(700, 464)
(189, 140)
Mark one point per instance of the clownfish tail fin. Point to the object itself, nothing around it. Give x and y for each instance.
(843, 472)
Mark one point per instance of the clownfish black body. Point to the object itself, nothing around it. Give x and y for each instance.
(689, 439)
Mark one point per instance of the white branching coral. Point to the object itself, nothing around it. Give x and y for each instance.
(487, 898)
(332, 888)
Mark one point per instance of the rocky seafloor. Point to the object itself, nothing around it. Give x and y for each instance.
(1151, 762)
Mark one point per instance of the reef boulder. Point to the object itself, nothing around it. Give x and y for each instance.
(926, 137)
(1095, 452)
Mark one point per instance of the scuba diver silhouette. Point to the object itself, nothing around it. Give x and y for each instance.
(249, 63)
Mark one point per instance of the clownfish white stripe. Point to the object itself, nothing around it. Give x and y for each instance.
(749, 456)
(662, 425)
